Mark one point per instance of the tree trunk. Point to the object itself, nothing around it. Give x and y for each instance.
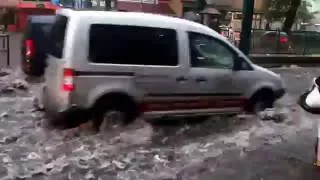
(201, 4)
(107, 5)
(291, 15)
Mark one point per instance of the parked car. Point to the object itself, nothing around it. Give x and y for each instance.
(115, 66)
(275, 42)
(35, 44)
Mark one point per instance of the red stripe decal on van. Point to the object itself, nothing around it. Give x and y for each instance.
(211, 103)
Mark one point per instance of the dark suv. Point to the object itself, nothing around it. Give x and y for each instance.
(35, 44)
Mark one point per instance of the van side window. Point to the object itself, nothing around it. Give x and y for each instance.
(123, 44)
(57, 36)
(208, 52)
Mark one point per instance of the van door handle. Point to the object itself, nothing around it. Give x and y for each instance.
(201, 79)
(181, 79)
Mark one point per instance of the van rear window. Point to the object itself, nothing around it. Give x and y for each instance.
(57, 36)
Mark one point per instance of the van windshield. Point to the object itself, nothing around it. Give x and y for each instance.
(57, 36)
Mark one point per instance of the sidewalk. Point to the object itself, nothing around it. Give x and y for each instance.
(274, 60)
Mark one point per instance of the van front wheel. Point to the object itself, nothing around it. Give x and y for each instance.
(262, 100)
(261, 105)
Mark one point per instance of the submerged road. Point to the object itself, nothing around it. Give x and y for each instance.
(220, 148)
(223, 148)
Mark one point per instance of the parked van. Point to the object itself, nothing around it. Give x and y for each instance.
(116, 66)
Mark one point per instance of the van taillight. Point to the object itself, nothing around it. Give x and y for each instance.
(68, 76)
(30, 48)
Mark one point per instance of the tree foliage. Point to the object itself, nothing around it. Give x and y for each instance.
(304, 12)
(289, 11)
(278, 9)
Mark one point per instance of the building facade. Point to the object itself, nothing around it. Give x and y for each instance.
(165, 6)
(15, 12)
(259, 5)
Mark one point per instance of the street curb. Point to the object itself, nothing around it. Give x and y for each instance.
(283, 60)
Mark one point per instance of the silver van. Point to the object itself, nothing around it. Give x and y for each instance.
(115, 66)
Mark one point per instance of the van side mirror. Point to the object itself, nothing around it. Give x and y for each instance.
(238, 63)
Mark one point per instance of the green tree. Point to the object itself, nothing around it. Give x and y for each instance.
(289, 11)
(107, 5)
(304, 13)
(291, 15)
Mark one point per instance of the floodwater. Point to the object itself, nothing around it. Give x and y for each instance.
(241, 147)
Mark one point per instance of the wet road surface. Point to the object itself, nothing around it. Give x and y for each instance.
(220, 148)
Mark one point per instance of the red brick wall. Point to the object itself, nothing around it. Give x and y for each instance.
(24, 13)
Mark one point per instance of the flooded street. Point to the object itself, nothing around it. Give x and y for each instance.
(241, 147)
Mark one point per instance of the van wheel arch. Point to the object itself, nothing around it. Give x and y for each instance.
(264, 97)
(115, 101)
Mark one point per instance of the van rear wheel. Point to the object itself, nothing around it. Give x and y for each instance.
(111, 115)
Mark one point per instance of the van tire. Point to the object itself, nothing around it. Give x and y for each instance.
(37, 73)
(37, 70)
(260, 101)
(115, 104)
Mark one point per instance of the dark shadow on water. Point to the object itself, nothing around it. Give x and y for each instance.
(177, 130)
(171, 121)
(34, 80)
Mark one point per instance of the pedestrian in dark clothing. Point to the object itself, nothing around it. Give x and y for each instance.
(215, 24)
(267, 26)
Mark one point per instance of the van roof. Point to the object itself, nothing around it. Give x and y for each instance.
(141, 18)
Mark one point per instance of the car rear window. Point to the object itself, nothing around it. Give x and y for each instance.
(45, 27)
(57, 36)
(35, 28)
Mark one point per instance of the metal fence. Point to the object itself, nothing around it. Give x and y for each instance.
(5, 48)
(276, 42)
